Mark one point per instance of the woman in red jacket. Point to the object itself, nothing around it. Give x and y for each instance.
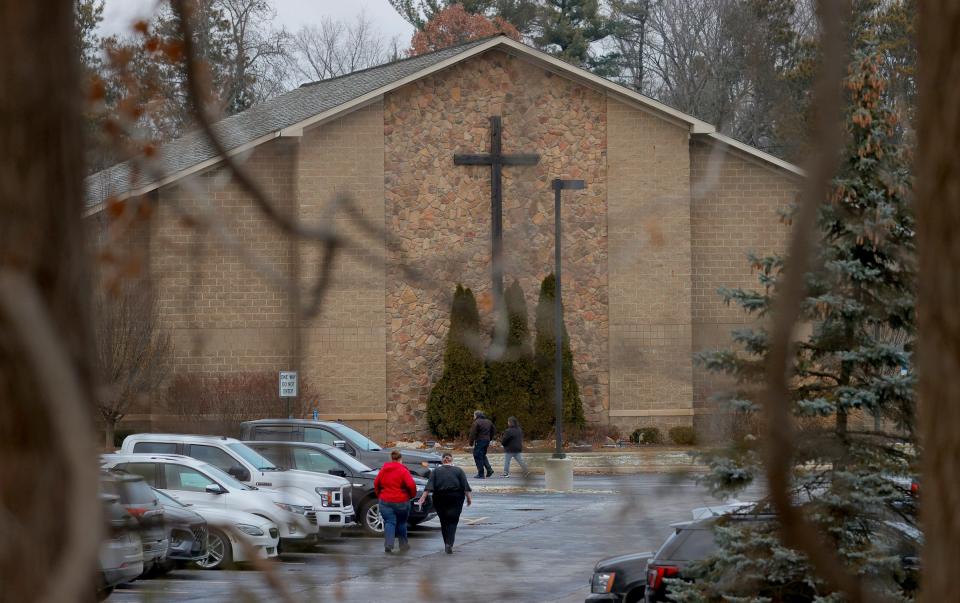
(394, 487)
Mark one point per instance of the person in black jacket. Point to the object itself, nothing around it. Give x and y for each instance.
(481, 432)
(512, 440)
(449, 487)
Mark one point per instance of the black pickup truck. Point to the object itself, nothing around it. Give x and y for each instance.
(335, 433)
(323, 458)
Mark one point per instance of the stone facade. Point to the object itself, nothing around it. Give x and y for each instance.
(441, 213)
(665, 219)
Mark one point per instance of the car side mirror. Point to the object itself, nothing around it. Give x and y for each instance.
(338, 472)
(240, 473)
(214, 489)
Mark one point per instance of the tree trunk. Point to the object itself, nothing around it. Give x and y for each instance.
(109, 433)
(938, 222)
(41, 248)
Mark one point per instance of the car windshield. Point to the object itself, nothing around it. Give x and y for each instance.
(345, 459)
(358, 439)
(166, 499)
(253, 457)
(225, 478)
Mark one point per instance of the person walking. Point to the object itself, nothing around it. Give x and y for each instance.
(481, 432)
(512, 441)
(450, 488)
(394, 487)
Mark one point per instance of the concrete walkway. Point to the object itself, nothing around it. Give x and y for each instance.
(614, 461)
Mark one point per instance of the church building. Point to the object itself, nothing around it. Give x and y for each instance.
(669, 211)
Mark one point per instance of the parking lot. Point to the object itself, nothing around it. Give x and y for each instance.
(514, 544)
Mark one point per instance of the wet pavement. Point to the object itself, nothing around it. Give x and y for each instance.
(518, 542)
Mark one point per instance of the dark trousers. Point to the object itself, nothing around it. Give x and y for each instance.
(395, 516)
(449, 505)
(480, 457)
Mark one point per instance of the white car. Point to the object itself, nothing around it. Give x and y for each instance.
(232, 535)
(198, 483)
(330, 495)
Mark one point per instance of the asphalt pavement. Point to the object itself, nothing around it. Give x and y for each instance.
(518, 542)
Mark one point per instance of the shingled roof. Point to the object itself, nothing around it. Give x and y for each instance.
(300, 107)
(261, 120)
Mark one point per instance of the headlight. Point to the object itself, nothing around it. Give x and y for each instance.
(298, 509)
(326, 495)
(249, 529)
(602, 582)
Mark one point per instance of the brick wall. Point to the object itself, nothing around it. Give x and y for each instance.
(650, 267)
(734, 211)
(224, 315)
(441, 214)
(344, 352)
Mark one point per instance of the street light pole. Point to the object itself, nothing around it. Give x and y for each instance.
(559, 185)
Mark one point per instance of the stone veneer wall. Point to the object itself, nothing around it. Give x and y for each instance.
(734, 211)
(650, 267)
(441, 213)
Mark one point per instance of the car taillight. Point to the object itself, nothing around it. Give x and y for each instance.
(914, 489)
(657, 573)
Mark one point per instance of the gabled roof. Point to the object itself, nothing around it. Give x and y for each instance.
(311, 104)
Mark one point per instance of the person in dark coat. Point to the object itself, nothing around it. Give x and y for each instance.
(450, 488)
(512, 440)
(395, 488)
(481, 432)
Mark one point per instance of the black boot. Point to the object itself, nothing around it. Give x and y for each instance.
(449, 549)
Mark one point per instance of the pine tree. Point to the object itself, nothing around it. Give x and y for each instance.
(544, 350)
(859, 307)
(460, 390)
(568, 28)
(511, 379)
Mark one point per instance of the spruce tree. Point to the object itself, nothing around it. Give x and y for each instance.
(460, 390)
(853, 361)
(544, 350)
(511, 379)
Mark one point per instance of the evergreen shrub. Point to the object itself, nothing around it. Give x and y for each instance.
(682, 436)
(646, 435)
(511, 380)
(461, 388)
(544, 351)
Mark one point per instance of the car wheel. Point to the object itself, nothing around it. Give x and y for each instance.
(635, 595)
(219, 551)
(370, 518)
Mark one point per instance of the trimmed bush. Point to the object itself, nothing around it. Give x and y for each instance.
(461, 388)
(511, 378)
(544, 351)
(646, 435)
(682, 436)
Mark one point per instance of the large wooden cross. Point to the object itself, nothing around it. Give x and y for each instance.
(496, 160)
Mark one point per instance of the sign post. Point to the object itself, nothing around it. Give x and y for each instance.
(288, 387)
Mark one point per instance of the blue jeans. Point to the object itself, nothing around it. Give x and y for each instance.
(508, 456)
(395, 517)
(480, 458)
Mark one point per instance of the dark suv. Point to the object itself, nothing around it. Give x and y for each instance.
(323, 458)
(335, 433)
(142, 503)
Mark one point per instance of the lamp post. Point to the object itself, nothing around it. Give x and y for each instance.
(559, 185)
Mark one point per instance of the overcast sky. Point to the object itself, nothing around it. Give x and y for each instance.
(292, 14)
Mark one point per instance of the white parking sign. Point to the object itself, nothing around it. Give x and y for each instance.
(288, 384)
